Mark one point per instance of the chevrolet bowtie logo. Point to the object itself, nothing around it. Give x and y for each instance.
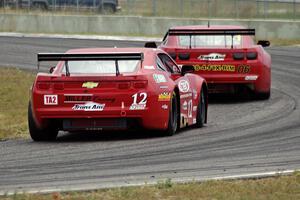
(90, 84)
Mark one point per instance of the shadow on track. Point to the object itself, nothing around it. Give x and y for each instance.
(108, 136)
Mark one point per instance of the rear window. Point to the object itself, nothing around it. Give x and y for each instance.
(209, 41)
(102, 67)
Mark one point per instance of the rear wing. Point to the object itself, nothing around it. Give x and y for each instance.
(189, 32)
(88, 56)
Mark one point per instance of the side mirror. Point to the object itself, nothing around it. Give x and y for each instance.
(264, 43)
(51, 70)
(150, 45)
(187, 69)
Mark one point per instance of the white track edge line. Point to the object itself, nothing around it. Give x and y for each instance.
(88, 187)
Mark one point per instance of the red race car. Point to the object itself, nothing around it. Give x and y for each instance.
(225, 56)
(115, 89)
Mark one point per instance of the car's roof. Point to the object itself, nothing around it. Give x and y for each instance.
(113, 50)
(205, 27)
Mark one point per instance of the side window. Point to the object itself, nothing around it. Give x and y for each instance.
(166, 60)
(160, 65)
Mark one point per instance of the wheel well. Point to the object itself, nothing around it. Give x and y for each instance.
(176, 90)
(205, 90)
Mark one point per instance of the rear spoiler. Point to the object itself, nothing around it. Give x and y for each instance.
(88, 56)
(190, 32)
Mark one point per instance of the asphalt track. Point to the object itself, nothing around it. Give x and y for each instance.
(241, 137)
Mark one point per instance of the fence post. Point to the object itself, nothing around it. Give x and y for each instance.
(265, 9)
(77, 7)
(208, 5)
(153, 7)
(181, 8)
(236, 9)
(294, 9)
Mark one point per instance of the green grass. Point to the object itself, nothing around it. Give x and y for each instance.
(14, 95)
(277, 188)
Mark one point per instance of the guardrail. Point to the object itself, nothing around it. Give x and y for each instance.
(134, 25)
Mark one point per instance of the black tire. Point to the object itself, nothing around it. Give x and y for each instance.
(263, 95)
(37, 134)
(173, 116)
(201, 110)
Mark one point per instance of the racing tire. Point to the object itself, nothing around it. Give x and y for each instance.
(201, 111)
(40, 134)
(173, 116)
(263, 95)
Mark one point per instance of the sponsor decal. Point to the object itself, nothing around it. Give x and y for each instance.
(50, 100)
(90, 106)
(195, 108)
(185, 105)
(194, 120)
(184, 86)
(149, 67)
(165, 96)
(212, 57)
(139, 101)
(159, 78)
(244, 69)
(90, 85)
(163, 87)
(86, 98)
(137, 107)
(184, 96)
(190, 108)
(251, 78)
(195, 93)
(216, 68)
(165, 106)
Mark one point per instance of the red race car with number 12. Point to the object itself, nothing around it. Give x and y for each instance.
(225, 56)
(115, 89)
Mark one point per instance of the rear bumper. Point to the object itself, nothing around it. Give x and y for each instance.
(151, 117)
(232, 78)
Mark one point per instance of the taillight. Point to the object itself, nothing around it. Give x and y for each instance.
(184, 56)
(140, 84)
(58, 86)
(251, 55)
(124, 85)
(238, 56)
(43, 86)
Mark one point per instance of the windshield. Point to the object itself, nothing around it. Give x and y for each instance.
(102, 67)
(209, 41)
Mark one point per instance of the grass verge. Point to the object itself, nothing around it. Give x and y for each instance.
(276, 188)
(14, 95)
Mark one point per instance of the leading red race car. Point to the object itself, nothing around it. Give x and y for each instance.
(225, 56)
(115, 89)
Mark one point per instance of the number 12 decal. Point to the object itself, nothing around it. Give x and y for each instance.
(140, 96)
(139, 101)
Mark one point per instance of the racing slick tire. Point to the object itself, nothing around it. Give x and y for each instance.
(201, 111)
(263, 95)
(173, 116)
(40, 134)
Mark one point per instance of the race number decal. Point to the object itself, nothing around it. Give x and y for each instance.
(139, 101)
(50, 100)
(184, 86)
